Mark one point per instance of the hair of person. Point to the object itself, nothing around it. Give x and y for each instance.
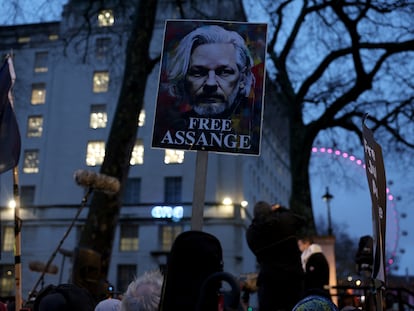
(109, 304)
(262, 209)
(180, 58)
(143, 294)
(307, 239)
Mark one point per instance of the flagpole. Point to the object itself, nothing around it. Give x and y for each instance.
(17, 241)
(16, 194)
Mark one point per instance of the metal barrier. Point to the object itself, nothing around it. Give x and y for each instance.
(395, 298)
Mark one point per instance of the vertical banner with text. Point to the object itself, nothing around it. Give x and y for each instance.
(377, 185)
(211, 87)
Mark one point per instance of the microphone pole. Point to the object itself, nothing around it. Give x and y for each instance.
(83, 204)
(91, 181)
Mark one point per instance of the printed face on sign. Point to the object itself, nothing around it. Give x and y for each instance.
(213, 78)
(210, 94)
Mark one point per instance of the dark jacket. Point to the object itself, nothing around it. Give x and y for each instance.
(317, 274)
(273, 240)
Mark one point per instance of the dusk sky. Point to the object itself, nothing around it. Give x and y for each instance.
(351, 203)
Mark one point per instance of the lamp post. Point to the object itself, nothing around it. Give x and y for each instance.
(327, 197)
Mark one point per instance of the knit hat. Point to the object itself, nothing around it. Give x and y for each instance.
(315, 303)
(110, 304)
(64, 297)
(54, 301)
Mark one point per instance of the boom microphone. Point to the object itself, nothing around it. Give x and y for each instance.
(38, 266)
(98, 182)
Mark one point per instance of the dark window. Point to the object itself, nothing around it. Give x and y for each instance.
(172, 189)
(27, 195)
(125, 275)
(132, 192)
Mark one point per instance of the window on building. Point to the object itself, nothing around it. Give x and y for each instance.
(106, 18)
(132, 191)
(27, 195)
(172, 189)
(53, 37)
(141, 118)
(95, 153)
(137, 156)
(6, 280)
(38, 93)
(31, 161)
(100, 81)
(98, 117)
(41, 62)
(8, 239)
(23, 39)
(125, 274)
(34, 126)
(102, 46)
(173, 156)
(168, 235)
(128, 238)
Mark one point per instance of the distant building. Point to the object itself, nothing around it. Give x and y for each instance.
(66, 93)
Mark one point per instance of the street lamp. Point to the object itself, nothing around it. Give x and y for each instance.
(327, 197)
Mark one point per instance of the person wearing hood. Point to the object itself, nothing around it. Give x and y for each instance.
(316, 267)
(272, 237)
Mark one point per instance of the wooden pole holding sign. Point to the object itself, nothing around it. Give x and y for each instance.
(375, 171)
(199, 191)
(17, 241)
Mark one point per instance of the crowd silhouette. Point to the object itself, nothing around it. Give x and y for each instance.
(293, 275)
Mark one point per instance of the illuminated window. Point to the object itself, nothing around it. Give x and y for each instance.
(106, 18)
(137, 156)
(27, 195)
(125, 273)
(31, 161)
(100, 81)
(128, 238)
(173, 156)
(23, 39)
(53, 37)
(98, 117)
(102, 47)
(141, 118)
(38, 93)
(8, 239)
(168, 235)
(41, 62)
(172, 189)
(6, 280)
(132, 191)
(34, 126)
(95, 153)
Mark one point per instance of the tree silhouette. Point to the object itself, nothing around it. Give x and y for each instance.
(99, 230)
(333, 62)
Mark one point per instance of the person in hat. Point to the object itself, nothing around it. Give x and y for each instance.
(272, 238)
(64, 297)
(316, 267)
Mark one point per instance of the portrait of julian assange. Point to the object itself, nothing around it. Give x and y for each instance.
(211, 87)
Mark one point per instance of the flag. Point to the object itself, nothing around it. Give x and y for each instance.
(10, 141)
